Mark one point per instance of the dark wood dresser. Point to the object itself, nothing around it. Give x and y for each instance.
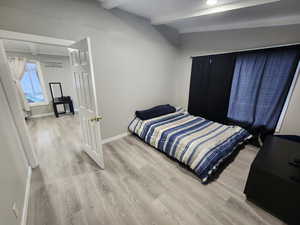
(273, 183)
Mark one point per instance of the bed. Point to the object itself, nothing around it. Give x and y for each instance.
(198, 143)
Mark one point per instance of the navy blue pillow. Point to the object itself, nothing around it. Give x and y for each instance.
(155, 112)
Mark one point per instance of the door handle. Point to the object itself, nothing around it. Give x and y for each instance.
(96, 119)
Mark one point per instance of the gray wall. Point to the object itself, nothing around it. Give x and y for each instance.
(52, 74)
(204, 43)
(13, 167)
(133, 60)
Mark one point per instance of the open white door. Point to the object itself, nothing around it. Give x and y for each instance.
(16, 108)
(83, 73)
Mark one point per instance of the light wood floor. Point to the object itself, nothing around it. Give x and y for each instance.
(139, 186)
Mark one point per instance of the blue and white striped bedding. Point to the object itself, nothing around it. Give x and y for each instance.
(198, 143)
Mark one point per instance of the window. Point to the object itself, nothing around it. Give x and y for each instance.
(32, 84)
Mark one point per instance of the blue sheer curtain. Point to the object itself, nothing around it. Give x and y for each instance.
(260, 84)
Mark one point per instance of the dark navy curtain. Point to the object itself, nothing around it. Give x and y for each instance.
(260, 85)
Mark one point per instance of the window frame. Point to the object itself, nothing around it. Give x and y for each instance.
(42, 82)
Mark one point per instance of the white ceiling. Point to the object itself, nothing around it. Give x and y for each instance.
(196, 16)
(34, 49)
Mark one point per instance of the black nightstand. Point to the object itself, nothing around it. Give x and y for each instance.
(273, 183)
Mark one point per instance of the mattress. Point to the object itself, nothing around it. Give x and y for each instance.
(194, 141)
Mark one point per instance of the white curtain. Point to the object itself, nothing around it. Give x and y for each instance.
(17, 66)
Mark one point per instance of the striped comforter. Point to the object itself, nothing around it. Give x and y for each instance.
(198, 143)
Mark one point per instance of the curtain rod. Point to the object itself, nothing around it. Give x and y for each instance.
(248, 49)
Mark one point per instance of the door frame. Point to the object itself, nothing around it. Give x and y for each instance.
(15, 107)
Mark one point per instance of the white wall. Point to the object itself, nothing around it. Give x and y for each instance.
(291, 123)
(13, 167)
(205, 43)
(133, 61)
(52, 74)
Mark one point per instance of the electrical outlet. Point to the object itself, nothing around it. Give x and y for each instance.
(15, 210)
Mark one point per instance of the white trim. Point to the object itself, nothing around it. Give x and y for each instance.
(213, 10)
(257, 23)
(26, 198)
(110, 139)
(10, 35)
(288, 99)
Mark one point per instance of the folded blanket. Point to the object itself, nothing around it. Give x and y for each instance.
(155, 112)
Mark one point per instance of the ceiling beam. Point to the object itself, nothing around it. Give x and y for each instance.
(271, 22)
(33, 49)
(110, 4)
(203, 12)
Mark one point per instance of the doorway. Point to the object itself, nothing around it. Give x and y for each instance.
(37, 67)
(35, 94)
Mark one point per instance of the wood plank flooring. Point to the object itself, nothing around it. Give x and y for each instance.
(139, 186)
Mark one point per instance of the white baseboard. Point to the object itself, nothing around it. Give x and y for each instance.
(26, 198)
(110, 139)
(47, 114)
(42, 115)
